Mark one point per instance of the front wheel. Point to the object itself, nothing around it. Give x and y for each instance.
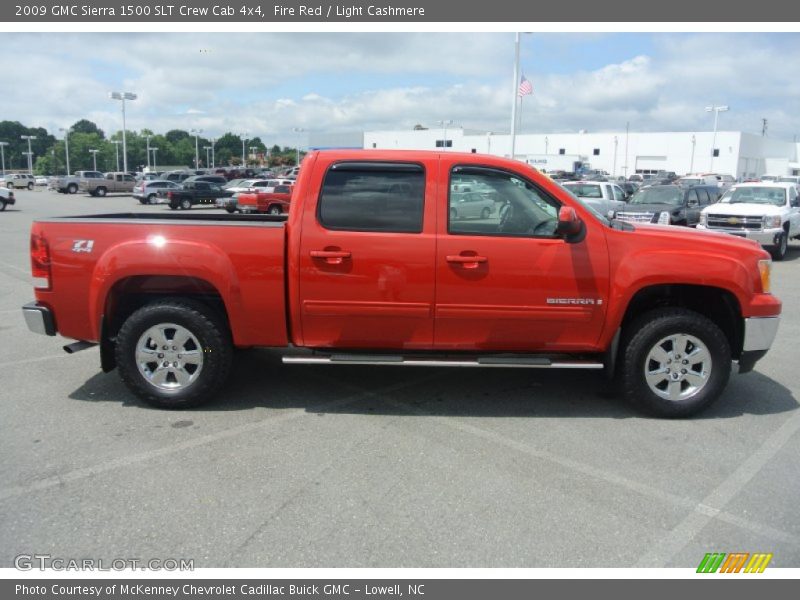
(186, 204)
(72, 189)
(781, 246)
(30, 185)
(101, 191)
(230, 209)
(151, 199)
(675, 362)
(174, 353)
(274, 210)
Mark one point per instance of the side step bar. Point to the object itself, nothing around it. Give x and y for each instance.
(519, 362)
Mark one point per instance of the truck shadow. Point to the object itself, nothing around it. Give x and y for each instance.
(260, 380)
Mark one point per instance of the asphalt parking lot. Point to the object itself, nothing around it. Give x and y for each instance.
(309, 466)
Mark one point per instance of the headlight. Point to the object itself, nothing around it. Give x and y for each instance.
(663, 218)
(765, 270)
(703, 219)
(772, 222)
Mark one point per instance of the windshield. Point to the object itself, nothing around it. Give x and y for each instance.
(687, 181)
(658, 195)
(755, 195)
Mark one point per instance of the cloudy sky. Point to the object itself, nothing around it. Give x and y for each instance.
(269, 83)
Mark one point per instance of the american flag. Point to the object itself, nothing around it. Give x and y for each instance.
(525, 88)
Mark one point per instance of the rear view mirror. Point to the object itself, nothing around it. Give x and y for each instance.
(569, 223)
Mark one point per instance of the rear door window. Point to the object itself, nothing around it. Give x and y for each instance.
(373, 196)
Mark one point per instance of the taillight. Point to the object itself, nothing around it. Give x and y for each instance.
(40, 261)
(169, 195)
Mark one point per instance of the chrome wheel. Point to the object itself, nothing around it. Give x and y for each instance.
(169, 357)
(677, 367)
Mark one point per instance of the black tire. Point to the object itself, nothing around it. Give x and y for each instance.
(485, 213)
(230, 209)
(2, 206)
(101, 191)
(643, 337)
(173, 206)
(30, 185)
(9, 185)
(778, 252)
(205, 325)
(186, 204)
(142, 200)
(275, 209)
(151, 199)
(72, 188)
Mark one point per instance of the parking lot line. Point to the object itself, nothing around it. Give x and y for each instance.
(118, 463)
(705, 510)
(680, 536)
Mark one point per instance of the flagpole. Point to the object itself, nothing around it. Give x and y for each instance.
(514, 95)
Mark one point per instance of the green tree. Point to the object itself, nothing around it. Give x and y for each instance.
(86, 126)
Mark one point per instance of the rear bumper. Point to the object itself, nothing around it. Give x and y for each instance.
(10, 200)
(39, 318)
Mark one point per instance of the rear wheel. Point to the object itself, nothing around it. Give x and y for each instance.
(151, 199)
(174, 353)
(274, 210)
(485, 213)
(101, 191)
(675, 362)
(782, 245)
(72, 188)
(30, 185)
(230, 209)
(186, 204)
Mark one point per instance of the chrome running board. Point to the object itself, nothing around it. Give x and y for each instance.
(519, 362)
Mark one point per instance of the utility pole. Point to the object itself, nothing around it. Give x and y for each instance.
(763, 128)
(514, 95)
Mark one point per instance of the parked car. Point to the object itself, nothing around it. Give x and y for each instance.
(70, 184)
(724, 182)
(215, 179)
(470, 205)
(194, 192)
(603, 197)
(795, 179)
(19, 181)
(629, 187)
(247, 185)
(276, 202)
(692, 180)
(768, 212)
(110, 183)
(668, 205)
(177, 176)
(6, 198)
(41, 180)
(360, 274)
(146, 192)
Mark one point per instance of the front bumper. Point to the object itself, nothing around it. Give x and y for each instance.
(39, 318)
(759, 333)
(10, 200)
(765, 237)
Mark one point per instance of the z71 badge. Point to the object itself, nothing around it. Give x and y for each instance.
(82, 245)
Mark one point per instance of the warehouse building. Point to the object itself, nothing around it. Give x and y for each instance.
(736, 153)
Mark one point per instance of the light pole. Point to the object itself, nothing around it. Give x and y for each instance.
(3, 155)
(244, 141)
(208, 155)
(147, 141)
(154, 150)
(116, 146)
(196, 133)
(546, 144)
(691, 165)
(514, 95)
(444, 125)
(94, 157)
(29, 152)
(123, 96)
(66, 131)
(213, 157)
(253, 153)
(716, 110)
(614, 170)
(298, 130)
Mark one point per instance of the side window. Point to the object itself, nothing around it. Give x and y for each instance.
(375, 196)
(110, 176)
(609, 193)
(618, 195)
(201, 185)
(499, 203)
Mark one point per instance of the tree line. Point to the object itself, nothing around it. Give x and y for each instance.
(175, 148)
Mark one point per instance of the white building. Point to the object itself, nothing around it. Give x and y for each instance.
(736, 153)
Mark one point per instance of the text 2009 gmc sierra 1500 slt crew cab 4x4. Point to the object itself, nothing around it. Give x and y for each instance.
(369, 268)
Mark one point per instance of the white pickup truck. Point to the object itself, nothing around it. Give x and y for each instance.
(603, 196)
(768, 212)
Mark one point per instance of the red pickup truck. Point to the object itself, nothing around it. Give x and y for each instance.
(370, 267)
(273, 202)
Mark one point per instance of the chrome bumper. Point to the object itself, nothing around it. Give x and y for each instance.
(39, 319)
(759, 333)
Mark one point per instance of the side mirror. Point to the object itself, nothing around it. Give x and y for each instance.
(569, 224)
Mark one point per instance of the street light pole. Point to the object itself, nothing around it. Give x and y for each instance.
(244, 141)
(196, 133)
(514, 95)
(66, 131)
(614, 170)
(147, 141)
(154, 150)
(298, 130)
(116, 146)
(691, 164)
(94, 157)
(123, 96)
(3, 155)
(213, 156)
(208, 155)
(444, 125)
(29, 152)
(716, 110)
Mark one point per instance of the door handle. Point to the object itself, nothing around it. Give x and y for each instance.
(332, 257)
(468, 262)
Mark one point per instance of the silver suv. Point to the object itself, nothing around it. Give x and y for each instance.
(19, 181)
